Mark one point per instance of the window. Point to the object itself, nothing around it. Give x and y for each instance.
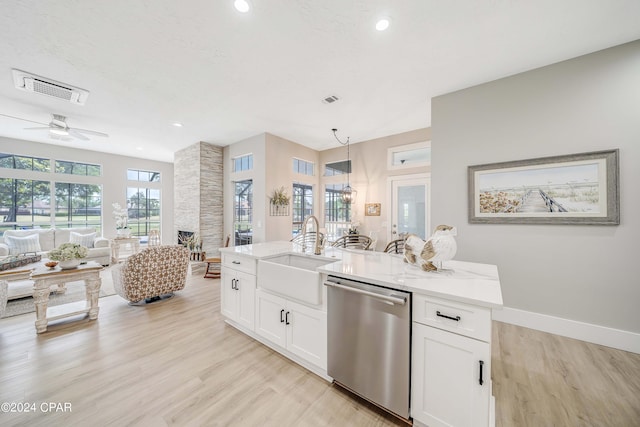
(243, 163)
(409, 156)
(302, 205)
(11, 161)
(243, 212)
(73, 168)
(24, 203)
(337, 168)
(78, 205)
(303, 167)
(142, 176)
(337, 212)
(143, 210)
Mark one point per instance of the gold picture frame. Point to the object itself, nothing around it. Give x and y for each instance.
(372, 209)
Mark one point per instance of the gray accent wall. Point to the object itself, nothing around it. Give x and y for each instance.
(584, 273)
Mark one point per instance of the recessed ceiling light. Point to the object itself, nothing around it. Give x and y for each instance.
(139, 148)
(177, 124)
(241, 5)
(383, 24)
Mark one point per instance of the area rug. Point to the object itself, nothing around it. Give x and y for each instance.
(75, 292)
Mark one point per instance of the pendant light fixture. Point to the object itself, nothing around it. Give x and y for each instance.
(348, 193)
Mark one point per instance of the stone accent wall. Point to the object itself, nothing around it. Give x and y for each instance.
(198, 183)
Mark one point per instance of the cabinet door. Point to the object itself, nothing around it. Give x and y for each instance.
(446, 372)
(246, 293)
(270, 317)
(228, 295)
(307, 333)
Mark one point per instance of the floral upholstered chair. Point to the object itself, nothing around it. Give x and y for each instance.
(151, 274)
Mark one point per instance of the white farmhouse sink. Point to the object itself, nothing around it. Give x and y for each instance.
(293, 276)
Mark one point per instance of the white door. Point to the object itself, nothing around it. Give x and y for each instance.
(410, 208)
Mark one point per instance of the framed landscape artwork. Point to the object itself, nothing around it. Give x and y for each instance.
(572, 189)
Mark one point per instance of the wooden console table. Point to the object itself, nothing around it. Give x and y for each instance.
(134, 243)
(43, 279)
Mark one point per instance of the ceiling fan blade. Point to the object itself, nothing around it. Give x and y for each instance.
(90, 132)
(74, 133)
(38, 128)
(20, 118)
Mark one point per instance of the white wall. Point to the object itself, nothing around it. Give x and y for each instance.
(583, 273)
(370, 176)
(114, 180)
(280, 153)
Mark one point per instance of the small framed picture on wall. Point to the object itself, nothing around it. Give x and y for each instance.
(372, 209)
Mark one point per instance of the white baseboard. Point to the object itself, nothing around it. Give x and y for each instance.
(616, 338)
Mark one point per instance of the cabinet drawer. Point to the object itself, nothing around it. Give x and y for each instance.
(240, 263)
(463, 319)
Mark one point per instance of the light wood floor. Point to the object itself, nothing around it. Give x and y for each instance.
(177, 363)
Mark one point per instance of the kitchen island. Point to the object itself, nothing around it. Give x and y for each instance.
(450, 320)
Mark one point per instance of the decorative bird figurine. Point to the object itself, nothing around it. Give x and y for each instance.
(441, 246)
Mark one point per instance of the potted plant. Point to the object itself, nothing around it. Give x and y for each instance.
(279, 200)
(121, 216)
(68, 254)
(279, 197)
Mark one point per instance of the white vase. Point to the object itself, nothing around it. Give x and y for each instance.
(70, 263)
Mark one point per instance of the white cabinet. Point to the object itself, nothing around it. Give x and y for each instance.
(295, 327)
(237, 290)
(451, 372)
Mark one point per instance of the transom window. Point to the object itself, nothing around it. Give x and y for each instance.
(243, 163)
(142, 176)
(409, 156)
(12, 161)
(303, 167)
(74, 168)
(337, 168)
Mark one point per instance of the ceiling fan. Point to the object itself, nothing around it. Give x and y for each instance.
(58, 128)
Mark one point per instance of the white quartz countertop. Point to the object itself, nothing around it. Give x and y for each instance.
(462, 281)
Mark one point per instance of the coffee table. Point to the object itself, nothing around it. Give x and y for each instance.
(23, 274)
(44, 277)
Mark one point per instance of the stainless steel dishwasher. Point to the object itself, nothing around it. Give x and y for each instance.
(369, 342)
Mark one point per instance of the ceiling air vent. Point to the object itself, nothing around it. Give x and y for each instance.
(44, 86)
(330, 99)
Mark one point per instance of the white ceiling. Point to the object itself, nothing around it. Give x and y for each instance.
(228, 76)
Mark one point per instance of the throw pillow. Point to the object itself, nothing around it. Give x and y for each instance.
(85, 240)
(23, 245)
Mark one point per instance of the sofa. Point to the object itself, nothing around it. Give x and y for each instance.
(151, 274)
(50, 238)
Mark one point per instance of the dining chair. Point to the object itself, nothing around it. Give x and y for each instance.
(395, 247)
(353, 241)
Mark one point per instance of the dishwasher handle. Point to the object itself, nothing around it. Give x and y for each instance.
(386, 298)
